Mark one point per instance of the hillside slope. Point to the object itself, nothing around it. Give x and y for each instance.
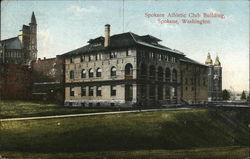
(187, 129)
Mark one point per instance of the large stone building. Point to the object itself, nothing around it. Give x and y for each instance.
(125, 69)
(214, 79)
(23, 48)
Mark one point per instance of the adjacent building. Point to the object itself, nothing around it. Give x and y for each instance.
(127, 69)
(214, 78)
(15, 82)
(48, 79)
(194, 81)
(21, 49)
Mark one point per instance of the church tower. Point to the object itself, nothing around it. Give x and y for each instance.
(209, 62)
(217, 79)
(214, 78)
(33, 38)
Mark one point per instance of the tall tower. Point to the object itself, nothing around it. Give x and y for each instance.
(217, 80)
(214, 79)
(209, 62)
(33, 38)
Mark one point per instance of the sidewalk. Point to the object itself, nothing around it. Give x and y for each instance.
(90, 114)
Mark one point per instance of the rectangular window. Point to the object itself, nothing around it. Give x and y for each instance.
(71, 60)
(113, 55)
(204, 81)
(72, 91)
(82, 58)
(129, 52)
(83, 91)
(91, 91)
(90, 57)
(98, 56)
(99, 91)
(71, 74)
(113, 90)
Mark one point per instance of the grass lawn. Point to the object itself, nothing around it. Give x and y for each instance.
(231, 152)
(14, 109)
(167, 134)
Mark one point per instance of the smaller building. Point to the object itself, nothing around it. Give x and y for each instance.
(15, 82)
(214, 79)
(48, 79)
(194, 81)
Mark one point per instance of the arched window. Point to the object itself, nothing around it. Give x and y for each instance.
(152, 72)
(160, 74)
(83, 73)
(99, 72)
(167, 74)
(160, 92)
(152, 92)
(167, 92)
(71, 75)
(143, 70)
(113, 71)
(128, 71)
(174, 75)
(91, 73)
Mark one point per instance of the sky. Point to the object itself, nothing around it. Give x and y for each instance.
(67, 25)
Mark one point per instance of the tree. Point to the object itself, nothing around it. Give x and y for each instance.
(243, 96)
(226, 94)
(248, 98)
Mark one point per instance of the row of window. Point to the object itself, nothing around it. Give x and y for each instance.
(11, 54)
(99, 56)
(193, 81)
(152, 92)
(91, 91)
(128, 71)
(91, 73)
(157, 56)
(159, 72)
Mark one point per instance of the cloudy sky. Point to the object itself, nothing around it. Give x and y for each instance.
(67, 25)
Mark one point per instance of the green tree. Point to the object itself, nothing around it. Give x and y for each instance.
(243, 96)
(226, 94)
(248, 98)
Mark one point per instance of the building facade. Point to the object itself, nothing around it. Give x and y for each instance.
(194, 81)
(48, 79)
(15, 82)
(23, 48)
(214, 79)
(125, 69)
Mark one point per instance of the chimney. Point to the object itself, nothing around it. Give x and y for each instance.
(107, 35)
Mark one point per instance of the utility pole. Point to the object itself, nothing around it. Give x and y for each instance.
(123, 16)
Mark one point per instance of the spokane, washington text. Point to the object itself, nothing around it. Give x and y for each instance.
(184, 21)
(195, 21)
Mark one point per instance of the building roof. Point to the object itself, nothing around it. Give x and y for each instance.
(26, 27)
(209, 61)
(217, 62)
(12, 43)
(121, 41)
(128, 39)
(188, 60)
(33, 18)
